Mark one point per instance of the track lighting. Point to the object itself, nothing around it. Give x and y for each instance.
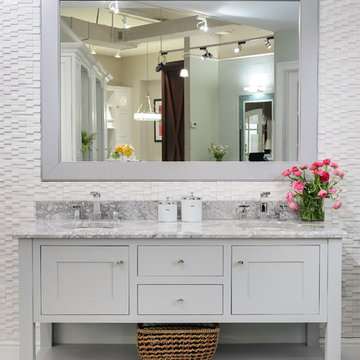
(117, 55)
(202, 24)
(93, 52)
(184, 73)
(114, 7)
(125, 23)
(207, 54)
(238, 47)
(267, 42)
(161, 64)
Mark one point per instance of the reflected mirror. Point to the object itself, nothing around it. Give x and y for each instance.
(164, 81)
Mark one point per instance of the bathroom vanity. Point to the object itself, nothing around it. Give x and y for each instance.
(144, 271)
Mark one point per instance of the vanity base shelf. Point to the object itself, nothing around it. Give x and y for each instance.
(224, 352)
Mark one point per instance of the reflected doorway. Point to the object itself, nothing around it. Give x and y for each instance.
(256, 130)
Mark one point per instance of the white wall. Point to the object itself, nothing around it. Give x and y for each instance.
(204, 107)
(234, 76)
(20, 184)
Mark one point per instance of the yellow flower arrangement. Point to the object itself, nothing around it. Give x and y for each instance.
(128, 150)
(123, 151)
(120, 149)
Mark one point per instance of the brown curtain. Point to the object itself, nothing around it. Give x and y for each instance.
(173, 112)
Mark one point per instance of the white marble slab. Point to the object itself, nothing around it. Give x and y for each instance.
(140, 229)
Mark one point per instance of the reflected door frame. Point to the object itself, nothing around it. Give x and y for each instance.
(268, 97)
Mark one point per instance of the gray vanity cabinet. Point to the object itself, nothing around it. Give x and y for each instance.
(83, 280)
(124, 279)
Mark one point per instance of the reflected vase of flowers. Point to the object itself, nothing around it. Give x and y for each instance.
(124, 152)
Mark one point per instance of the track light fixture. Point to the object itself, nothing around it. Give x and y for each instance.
(207, 54)
(125, 23)
(161, 62)
(238, 47)
(202, 24)
(93, 51)
(267, 42)
(184, 73)
(114, 7)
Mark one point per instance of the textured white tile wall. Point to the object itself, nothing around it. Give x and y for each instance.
(20, 185)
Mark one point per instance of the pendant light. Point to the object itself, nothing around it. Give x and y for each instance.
(145, 112)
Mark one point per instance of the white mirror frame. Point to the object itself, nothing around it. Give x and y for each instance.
(54, 170)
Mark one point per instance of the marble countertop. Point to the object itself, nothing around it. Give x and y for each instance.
(140, 229)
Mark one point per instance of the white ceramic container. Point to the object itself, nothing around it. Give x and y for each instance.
(167, 211)
(191, 209)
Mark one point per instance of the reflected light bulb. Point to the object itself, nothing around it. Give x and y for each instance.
(184, 73)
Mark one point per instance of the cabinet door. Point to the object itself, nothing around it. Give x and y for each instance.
(275, 279)
(84, 280)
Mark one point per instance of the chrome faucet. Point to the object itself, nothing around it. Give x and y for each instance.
(96, 211)
(263, 204)
(77, 212)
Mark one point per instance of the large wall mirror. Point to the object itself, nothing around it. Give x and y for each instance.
(177, 90)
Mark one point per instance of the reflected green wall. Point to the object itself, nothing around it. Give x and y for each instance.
(204, 107)
(286, 45)
(234, 76)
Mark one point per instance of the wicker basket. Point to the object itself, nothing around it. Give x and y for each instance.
(177, 341)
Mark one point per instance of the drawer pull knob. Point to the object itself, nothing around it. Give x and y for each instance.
(180, 261)
(180, 301)
(120, 262)
(240, 262)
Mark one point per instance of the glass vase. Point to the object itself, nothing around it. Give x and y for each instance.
(312, 209)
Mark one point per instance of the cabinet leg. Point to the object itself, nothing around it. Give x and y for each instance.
(46, 338)
(333, 326)
(312, 333)
(27, 326)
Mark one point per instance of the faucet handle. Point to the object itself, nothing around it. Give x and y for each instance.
(282, 212)
(242, 210)
(95, 194)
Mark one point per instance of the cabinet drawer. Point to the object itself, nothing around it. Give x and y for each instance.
(180, 261)
(275, 279)
(84, 280)
(180, 299)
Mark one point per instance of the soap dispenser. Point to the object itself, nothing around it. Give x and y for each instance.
(191, 208)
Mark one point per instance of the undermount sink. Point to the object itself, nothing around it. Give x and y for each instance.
(96, 225)
(267, 224)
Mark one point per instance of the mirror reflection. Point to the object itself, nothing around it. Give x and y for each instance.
(179, 81)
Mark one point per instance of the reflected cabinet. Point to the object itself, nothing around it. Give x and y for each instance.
(83, 106)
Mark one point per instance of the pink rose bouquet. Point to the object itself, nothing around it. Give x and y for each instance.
(309, 190)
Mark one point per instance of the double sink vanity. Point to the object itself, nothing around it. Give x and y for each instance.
(143, 271)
